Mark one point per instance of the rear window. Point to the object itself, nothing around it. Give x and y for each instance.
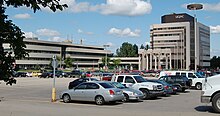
(106, 85)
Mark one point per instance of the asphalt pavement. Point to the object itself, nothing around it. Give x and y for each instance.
(32, 97)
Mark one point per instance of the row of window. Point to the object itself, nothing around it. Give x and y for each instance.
(168, 28)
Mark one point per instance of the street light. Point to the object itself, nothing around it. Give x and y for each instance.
(106, 55)
(195, 7)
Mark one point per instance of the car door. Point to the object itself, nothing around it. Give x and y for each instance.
(78, 92)
(92, 89)
(129, 81)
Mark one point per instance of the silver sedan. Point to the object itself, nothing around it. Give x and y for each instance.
(129, 93)
(99, 92)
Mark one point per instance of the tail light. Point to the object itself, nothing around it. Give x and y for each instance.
(111, 92)
(166, 87)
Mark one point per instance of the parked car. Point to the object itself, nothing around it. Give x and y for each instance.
(107, 76)
(96, 73)
(194, 78)
(89, 74)
(137, 82)
(211, 92)
(36, 74)
(182, 83)
(20, 74)
(76, 82)
(168, 88)
(96, 91)
(29, 74)
(136, 72)
(129, 93)
(46, 75)
(76, 73)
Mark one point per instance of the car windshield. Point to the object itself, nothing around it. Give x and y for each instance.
(118, 85)
(139, 79)
(106, 85)
(199, 75)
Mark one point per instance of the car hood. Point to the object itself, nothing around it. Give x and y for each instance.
(150, 83)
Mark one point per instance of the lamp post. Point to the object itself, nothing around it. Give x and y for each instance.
(195, 7)
(106, 55)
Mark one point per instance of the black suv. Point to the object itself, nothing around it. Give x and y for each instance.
(182, 83)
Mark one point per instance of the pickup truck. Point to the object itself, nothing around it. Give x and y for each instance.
(211, 92)
(149, 89)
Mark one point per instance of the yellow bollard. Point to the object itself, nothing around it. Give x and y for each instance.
(53, 95)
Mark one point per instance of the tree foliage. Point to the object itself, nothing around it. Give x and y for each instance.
(104, 60)
(13, 36)
(127, 50)
(68, 62)
(215, 62)
(116, 62)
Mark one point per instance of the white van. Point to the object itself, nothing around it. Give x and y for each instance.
(195, 78)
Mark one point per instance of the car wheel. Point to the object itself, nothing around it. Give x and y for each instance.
(183, 89)
(216, 102)
(99, 100)
(198, 86)
(126, 97)
(146, 94)
(66, 98)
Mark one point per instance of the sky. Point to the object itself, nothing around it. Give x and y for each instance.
(112, 22)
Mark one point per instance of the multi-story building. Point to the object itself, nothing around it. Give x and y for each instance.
(173, 42)
(41, 53)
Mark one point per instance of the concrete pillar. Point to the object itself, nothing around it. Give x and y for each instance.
(147, 63)
(155, 61)
(159, 66)
(170, 60)
(151, 61)
(139, 62)
(166, 62)
(142, 61)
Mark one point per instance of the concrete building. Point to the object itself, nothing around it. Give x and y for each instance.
(41, 52)
(173, 44)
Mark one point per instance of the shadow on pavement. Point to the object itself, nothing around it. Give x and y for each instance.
(92, 103)
(205, 109)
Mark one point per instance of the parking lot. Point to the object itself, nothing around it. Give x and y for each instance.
(32, 97)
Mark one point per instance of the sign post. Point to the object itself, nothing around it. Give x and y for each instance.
(54, 64)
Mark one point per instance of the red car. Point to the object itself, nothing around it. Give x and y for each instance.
(107, 76)
(88, 74)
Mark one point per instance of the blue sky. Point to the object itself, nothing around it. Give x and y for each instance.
(113, 22)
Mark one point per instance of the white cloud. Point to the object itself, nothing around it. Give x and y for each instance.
(29, 35)
(83, 32)
(212, 7)
(23, 16)
(57, 39)
(215, 29)
(126, 7)
(110, 7)
(124, 32)
(47, 32)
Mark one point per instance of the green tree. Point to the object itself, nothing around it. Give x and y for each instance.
(12, 34)
(116, 62)
(104, 60)
(68, 62)
(127, 50)
(147, 47)
(142, 46)
(215, 62)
